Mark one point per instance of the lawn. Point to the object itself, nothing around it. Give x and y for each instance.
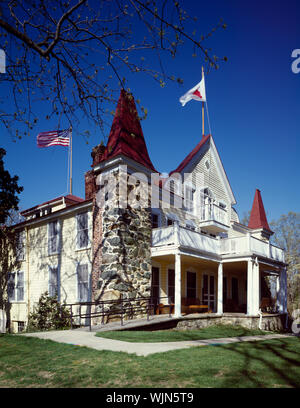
(213, 332)
(31, 362)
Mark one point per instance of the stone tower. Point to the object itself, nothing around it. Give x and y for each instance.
(121, 236)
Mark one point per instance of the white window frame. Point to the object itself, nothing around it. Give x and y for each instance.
(89, 223)
(15, 298)
(88, 281)
(189, 203)
(50, 269)
(58, 245)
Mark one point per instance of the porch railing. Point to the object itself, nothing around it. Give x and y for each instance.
(120, 308)
(173, 234)
(213, 212)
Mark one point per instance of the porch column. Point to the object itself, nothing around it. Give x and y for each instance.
(177, 308)
(278, 292)
(282, 291)
(255, 288)
(220, 289)
(249, 287)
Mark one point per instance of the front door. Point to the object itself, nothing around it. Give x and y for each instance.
(208, 291)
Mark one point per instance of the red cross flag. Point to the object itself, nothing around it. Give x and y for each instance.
(197, 93)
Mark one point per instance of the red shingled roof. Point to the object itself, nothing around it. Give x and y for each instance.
(69, 200)
(258, 217)
(126, 135)
(190, 156)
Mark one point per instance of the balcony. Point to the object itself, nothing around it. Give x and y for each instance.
(173, 235)
(214, 218)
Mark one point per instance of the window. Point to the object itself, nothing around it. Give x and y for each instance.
(21, 326)
(170, 221)
(82, 230)
(20, 244)
(83, 283)
(171, 285)
(53, 237)
(189, 198)
(207, 165)
(191, 285)
(190, 225)
(155, 220)
(11, 287)
(172, 191)
(15, 287)
(155, 285)
(53, 282)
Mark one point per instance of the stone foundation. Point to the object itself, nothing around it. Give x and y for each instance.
(274, 322)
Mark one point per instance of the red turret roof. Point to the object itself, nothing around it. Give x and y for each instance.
(258, 217)
(126, 135)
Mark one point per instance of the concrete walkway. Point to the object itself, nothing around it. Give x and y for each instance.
(88, 339)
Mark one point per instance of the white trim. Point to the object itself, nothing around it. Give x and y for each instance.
(89, 225)
(56, 214)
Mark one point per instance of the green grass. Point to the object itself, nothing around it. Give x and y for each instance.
(31, 362)
(157, 336)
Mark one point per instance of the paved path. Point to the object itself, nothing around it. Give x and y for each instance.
(88, 339)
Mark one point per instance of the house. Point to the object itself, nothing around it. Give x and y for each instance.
(175, 237)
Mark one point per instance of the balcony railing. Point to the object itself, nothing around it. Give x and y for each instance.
(175, 235)
(213, 212)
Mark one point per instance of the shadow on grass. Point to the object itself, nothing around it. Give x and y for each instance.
(278, 357)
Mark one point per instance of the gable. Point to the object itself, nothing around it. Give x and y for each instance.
(215, 177)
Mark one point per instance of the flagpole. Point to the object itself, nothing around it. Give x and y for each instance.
(71, 161)
(202, 107)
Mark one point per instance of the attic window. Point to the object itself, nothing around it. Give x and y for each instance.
(207, 165)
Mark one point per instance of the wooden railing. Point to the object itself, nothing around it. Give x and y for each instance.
(175, 235)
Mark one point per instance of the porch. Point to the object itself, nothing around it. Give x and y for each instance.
(164, 238)
(187, 284)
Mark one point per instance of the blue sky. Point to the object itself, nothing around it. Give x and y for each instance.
(254, 110)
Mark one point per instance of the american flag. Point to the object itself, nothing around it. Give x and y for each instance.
(54, 137)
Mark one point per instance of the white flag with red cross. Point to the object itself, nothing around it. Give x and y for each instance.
(197, 93)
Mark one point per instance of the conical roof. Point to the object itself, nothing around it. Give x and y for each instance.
(126, 135)
(258, 217)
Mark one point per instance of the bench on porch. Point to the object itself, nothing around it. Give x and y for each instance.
(193, 305)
